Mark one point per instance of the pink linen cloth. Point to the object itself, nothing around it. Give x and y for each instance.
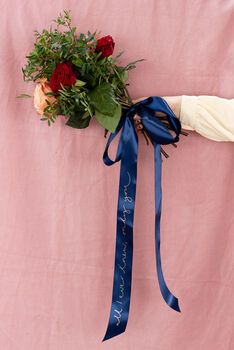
(58, 200)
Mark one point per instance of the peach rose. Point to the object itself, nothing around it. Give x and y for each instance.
(40, 96)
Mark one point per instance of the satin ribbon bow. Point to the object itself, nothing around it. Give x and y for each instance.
(127, 152)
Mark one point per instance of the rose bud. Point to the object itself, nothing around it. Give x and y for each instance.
(105, 45)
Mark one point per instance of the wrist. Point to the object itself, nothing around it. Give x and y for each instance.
(175, 104)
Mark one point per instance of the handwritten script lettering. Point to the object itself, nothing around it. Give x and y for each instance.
(118, 315)
(125, 211)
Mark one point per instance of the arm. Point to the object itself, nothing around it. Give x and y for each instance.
(210, 116)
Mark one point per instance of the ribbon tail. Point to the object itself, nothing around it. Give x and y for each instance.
(124, 243)
(169, 298)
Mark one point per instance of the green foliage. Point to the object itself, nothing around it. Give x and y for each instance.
(107, 109)
(24, 96)
(102, 98)
(56, 45)
(100, 89)
(79, 120)
(109, 121)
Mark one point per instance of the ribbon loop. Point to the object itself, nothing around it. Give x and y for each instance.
(127, 152)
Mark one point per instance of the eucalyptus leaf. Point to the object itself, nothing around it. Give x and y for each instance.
(49, 93)
(77, 62)
(24, 96)
(123, 75)
(80, 83)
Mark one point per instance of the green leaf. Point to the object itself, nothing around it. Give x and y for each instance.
(49, 94)
(77, 121)
(102, 98)
(123, 75)
(80, 83)
(77, 62)
(23, 96)
(109, 122)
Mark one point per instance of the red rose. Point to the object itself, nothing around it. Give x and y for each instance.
(62, 74)
(105, 45)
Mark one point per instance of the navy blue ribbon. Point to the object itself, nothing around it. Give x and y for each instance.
(127, 152)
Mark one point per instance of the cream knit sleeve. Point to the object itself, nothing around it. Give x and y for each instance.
(210, 116)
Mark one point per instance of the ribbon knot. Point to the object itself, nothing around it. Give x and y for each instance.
(127, 152)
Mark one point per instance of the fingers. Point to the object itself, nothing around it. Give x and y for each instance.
(159, 114)
(173, 101)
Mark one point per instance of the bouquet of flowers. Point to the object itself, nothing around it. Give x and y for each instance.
(77, 76)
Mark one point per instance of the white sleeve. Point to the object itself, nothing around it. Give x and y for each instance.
(210, 116)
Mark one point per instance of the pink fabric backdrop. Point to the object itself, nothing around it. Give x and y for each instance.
(58, 200)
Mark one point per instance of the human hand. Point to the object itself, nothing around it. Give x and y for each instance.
(174, 103)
